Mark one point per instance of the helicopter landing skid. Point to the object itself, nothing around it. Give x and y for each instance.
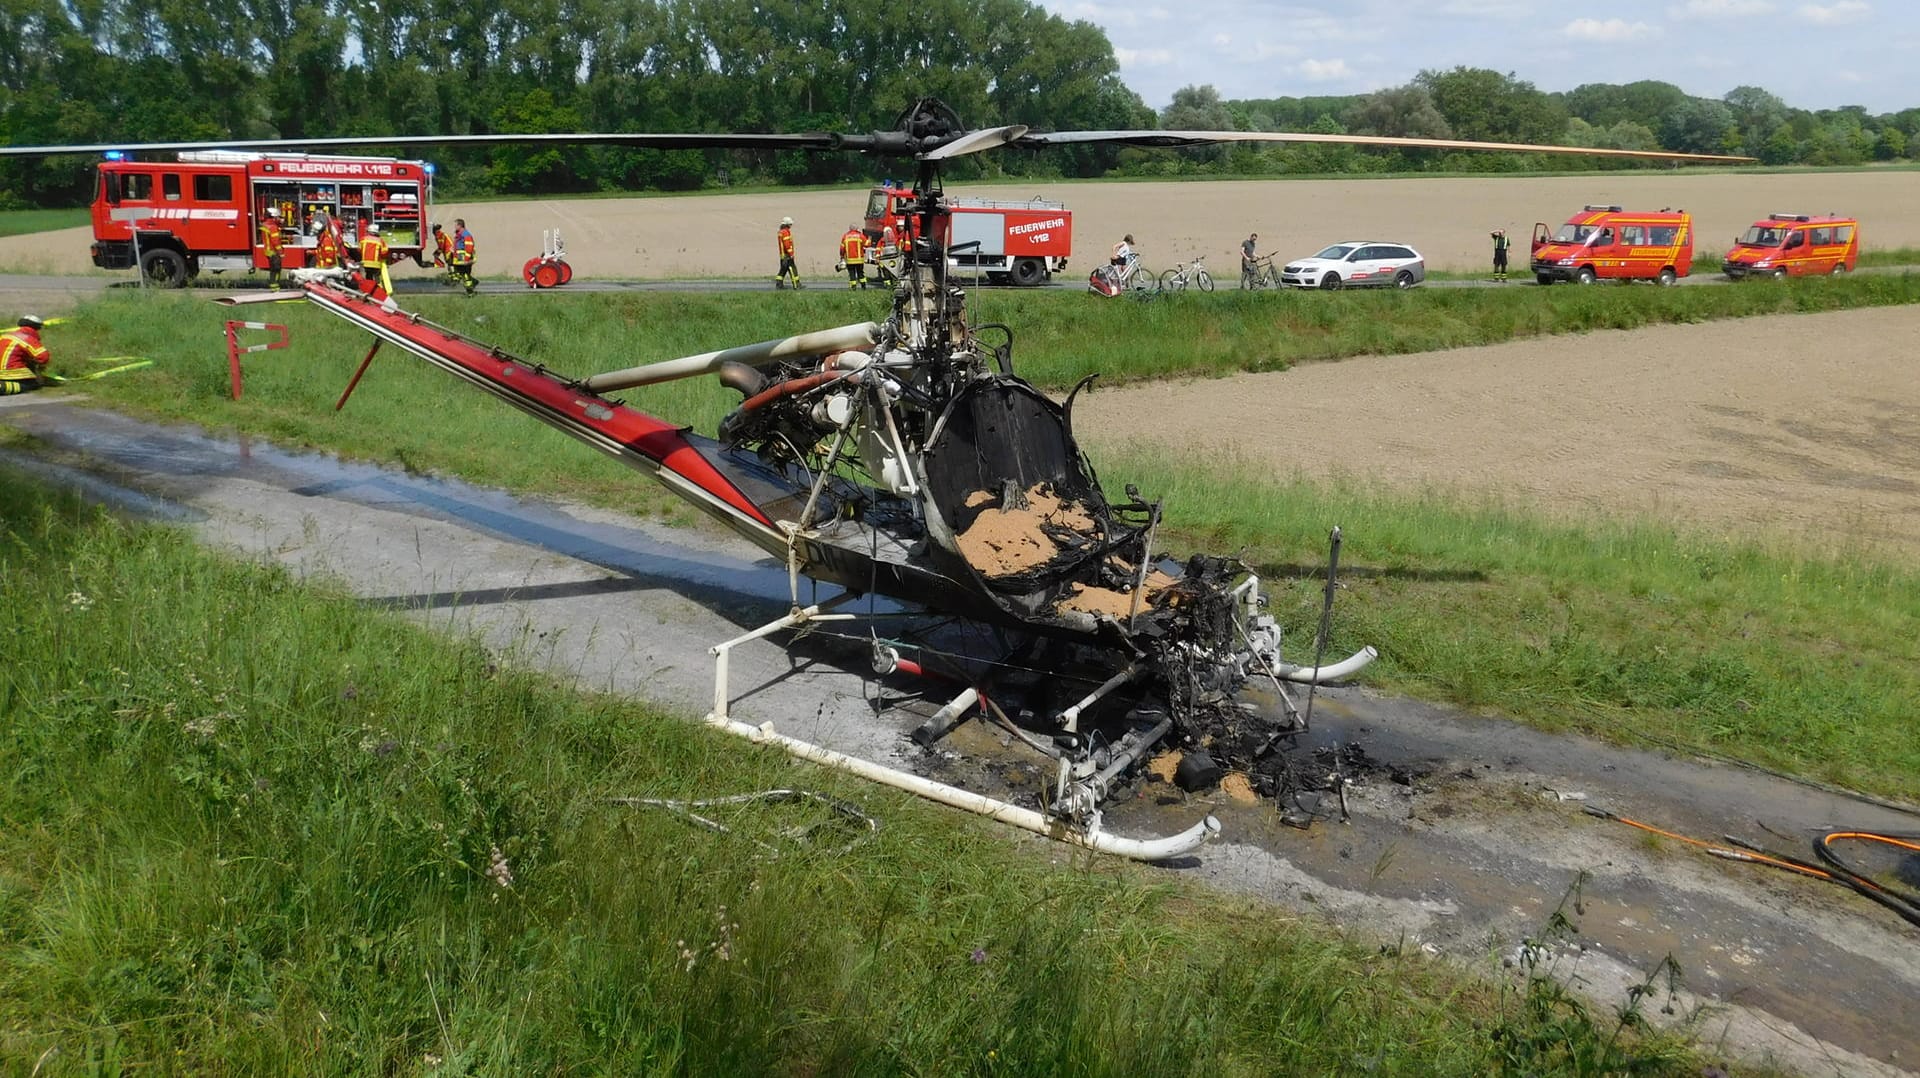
(1082, 829)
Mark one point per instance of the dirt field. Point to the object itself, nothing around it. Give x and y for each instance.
(1800, 425)
(1446, 219)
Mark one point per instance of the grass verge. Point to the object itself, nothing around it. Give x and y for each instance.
(255, 828)
(22, 222)
(1621, 629)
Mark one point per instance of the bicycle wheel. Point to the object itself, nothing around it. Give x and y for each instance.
(1173, 281)
(1204, 280)
(1143, 280)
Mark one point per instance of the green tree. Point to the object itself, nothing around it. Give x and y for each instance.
(1402, 112)
(1485, 105)
(1697, 125)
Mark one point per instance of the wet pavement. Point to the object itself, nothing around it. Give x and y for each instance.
(1466, 832)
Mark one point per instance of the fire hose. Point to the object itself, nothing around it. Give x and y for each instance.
(1904, 903)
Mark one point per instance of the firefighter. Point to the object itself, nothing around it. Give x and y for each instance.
(326, 245)
(373, 259)
(460, 255)
(272, 243)
(789, 271)
(1500, 245)
(853, 255)
(442, 249)
(23, 359)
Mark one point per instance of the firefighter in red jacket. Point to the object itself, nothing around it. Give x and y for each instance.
(789, 271)
(461, 255)
(23, 359)
(442, 248)
(272, 244)
(373, 259)
(326, 246)
(853, 255)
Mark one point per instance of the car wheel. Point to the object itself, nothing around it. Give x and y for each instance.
(1839, 269)
(1331, 282)
(164, 268)
(1668, 278)
(1584, 275)
(1028, 272)
(1780, 273)
(1543, 278)
(1403, 279)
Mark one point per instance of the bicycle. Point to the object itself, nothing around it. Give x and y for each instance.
(1177, 278)
(1132, 277)
(1262, 274)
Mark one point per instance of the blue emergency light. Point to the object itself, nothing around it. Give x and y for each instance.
(429, 168)
(115, 155)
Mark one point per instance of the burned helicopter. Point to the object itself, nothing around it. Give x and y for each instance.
(906, 458)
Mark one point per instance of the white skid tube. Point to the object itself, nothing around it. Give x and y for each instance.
(1345, 668)
(1147, 849)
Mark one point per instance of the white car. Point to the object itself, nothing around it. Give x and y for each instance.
(1360, 264)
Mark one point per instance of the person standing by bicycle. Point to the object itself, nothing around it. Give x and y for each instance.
(1121, 263)
(1249, 256)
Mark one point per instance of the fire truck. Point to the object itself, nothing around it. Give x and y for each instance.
(1019, 242)
(203, 212)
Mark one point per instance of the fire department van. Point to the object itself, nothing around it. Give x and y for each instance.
(1019, 242)
(1794, 245)
(1610, 243)
(203, 212)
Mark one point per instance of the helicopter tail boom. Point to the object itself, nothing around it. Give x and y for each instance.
(660, 448)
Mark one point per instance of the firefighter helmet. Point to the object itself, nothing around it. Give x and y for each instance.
(273, 211)
(32, 321)
(373, 229)
(786, 222)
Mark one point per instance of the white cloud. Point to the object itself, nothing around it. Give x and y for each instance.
(1835, 14)
(1852, 76)
(1143, 57)
(1323, 70)
(1607, 30)
(1720, 9)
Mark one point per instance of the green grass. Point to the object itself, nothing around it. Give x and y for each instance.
(1803, 660)
(22, 222)
(248, 827)
(1631, 631)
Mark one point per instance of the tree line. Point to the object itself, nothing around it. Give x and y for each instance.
(82, 71)
(1485, 105)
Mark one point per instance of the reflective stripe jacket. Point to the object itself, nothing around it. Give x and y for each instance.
(270, 238)
(784, 238)
(326, 250)
(373, 251)
(21, 350)
(443, 246)
(463, 246)
(853, 246)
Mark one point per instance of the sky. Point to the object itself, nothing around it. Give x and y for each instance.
(1814, 54)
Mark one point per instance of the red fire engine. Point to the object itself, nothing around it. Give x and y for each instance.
(1021, 242)
(205, 211)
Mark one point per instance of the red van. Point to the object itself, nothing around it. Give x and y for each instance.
(1794, 245)
(1610, 243)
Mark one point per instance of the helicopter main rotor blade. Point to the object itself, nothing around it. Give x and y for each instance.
(1214, 138)
(814, 140)
(975, 141)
